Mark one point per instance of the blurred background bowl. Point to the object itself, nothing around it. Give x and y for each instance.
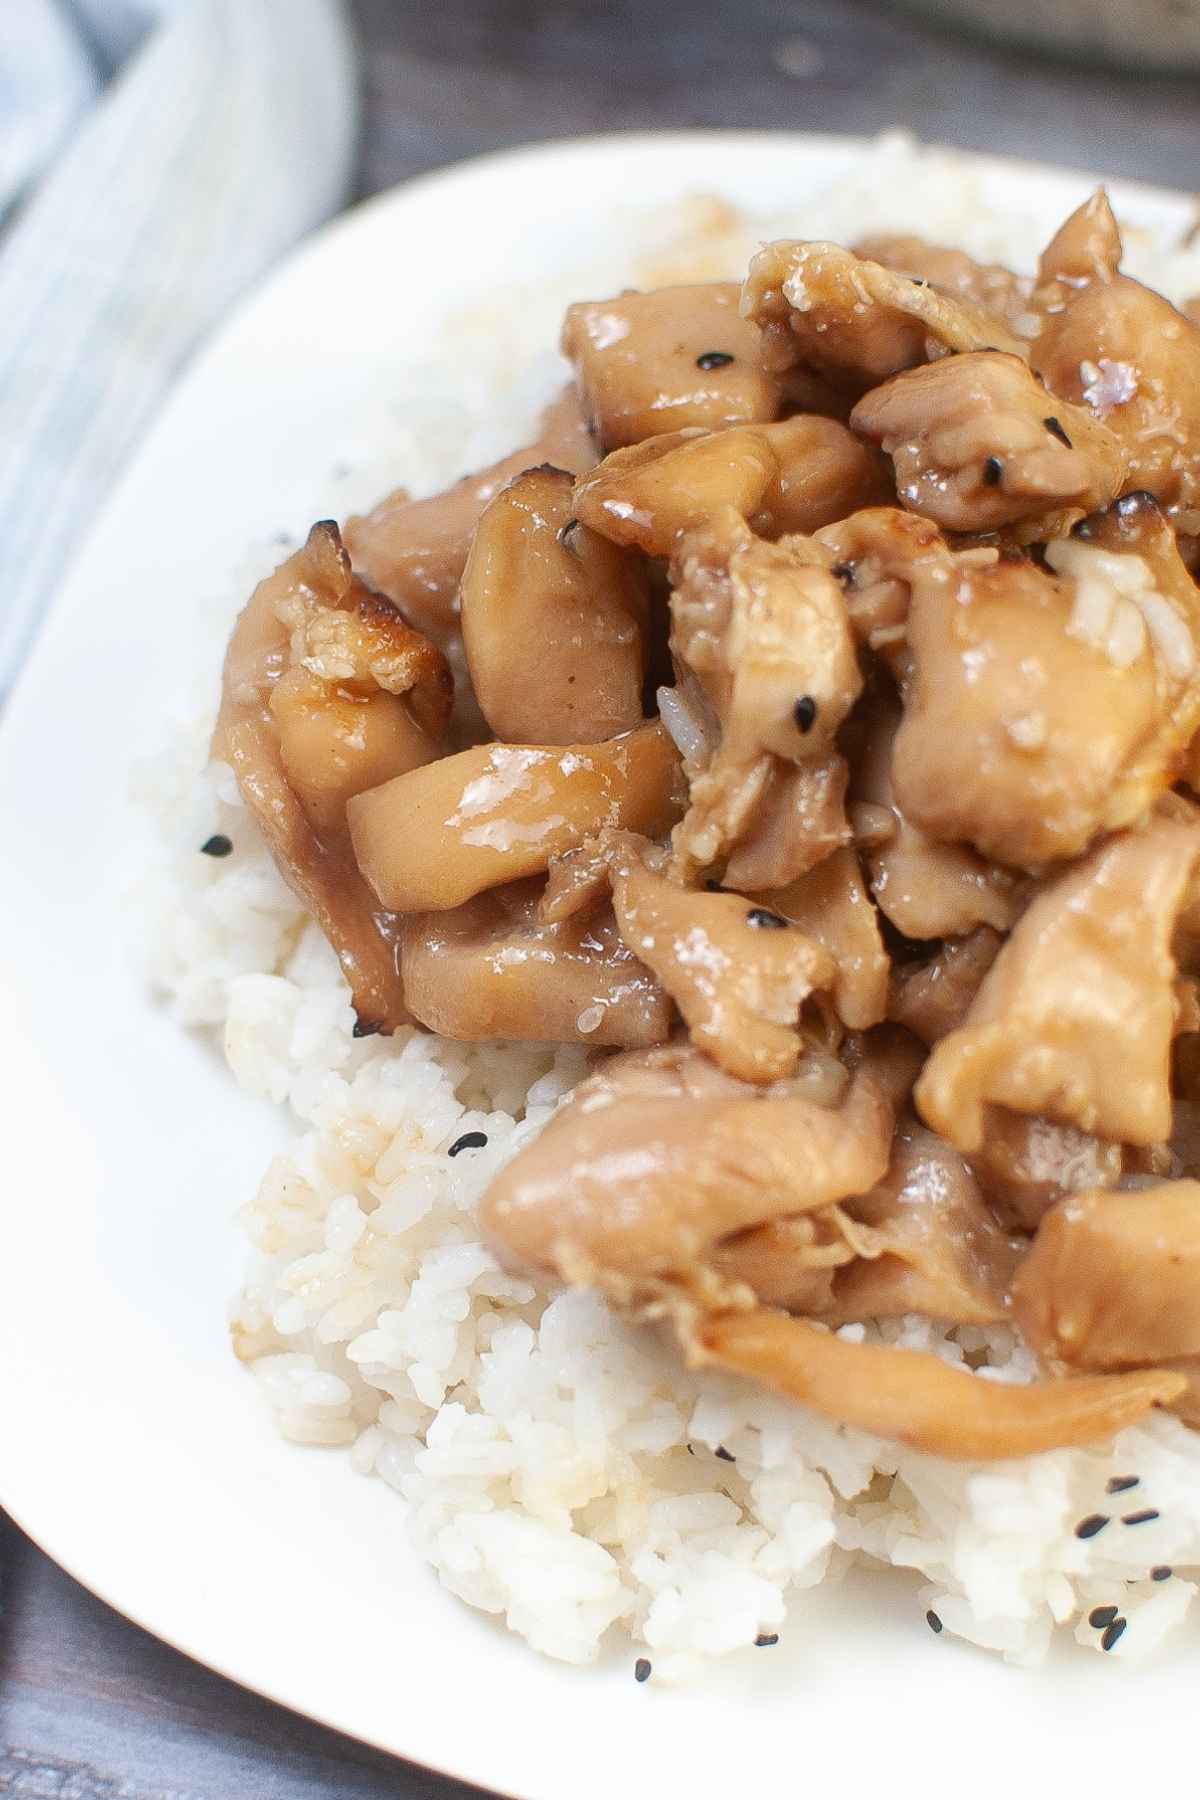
(1163, 35)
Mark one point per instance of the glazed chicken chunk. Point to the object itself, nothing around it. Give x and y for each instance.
(1075, 1018)
(327, 692)
(977, 443)
(537, 576)
(667, 360)
(855, 322)
(1109, 344)
(1042, 708)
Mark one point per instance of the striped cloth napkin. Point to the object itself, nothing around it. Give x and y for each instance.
(156, 156)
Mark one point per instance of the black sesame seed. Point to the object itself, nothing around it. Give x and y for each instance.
(1121, 1484)
(765, 1639)
(918, 281)
(993, 472)
(217, 845)
(470, 1140)
(843, 572)
(1162, 1572)
(564, 534)
(691, 1449)
(933, 1622)
(1101, 1617)
(805, 712)
(1141, 1518)
(764, 920)
(714, 359)
(1087, 1528)
(1085, 529)
(1054, 427)
(1113, 1635)
(724, 1454)
(713, 886)
(366, 1027)
(641, 1669)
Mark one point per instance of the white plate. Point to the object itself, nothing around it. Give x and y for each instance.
(131, 1446)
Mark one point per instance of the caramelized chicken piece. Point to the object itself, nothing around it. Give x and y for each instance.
(799, 820)
(933, 998)
(855, 322)
(1076, 1016)
(677, 357)
(831, 905)
(328, 692)
(738, 973)
(1191, 309)
(925, 1242)
(553, 619)
(499, 812)
(1113, 1279)
(977, 443)
(875, 555)
(646, 495)
(926, 889)
(1026, 1164)
(918, 1399)
(416, 550)
(1118, 348)
(988, 285)
(1042, 709)
(825, 474)
(660, 1156)
(492, 968)
(763, 640)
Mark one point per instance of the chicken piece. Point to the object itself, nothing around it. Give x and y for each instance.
(1026, 1165)
(875, 554)
(663, 361)
(853, 321)
(762, 637)
(659, 1157)
(492, 968)
(831, 905)
(977, 443)
(416, 550)
(890, 1055)
(988, 285)
(919, 1400)
(553, 619)
(799, 820)
(925, 1242)
(1113, 1279)
(1120, 349)
(738, 973)
(926, 889)
(327, 692)
(789, 1262)
(1042, 709)
(825, 474)
(1076, 1016)
(932, 998)
(645, 496)
(1191, 309)
(498, 813)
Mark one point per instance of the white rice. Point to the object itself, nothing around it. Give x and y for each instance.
(555, 1465)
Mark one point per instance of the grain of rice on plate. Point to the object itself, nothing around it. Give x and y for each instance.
(560, 1466)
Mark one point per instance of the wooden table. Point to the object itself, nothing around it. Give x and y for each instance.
(90, 1707)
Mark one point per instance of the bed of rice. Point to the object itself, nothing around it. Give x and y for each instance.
(555, 1465)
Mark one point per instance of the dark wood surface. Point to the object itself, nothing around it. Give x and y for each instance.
(91, 1708)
